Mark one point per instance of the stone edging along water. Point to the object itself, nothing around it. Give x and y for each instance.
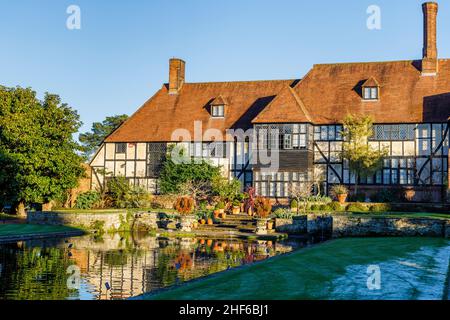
(340, 226)
(35, 236)
(335, 225)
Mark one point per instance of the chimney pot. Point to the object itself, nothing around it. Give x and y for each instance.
(176, 75)
(430, 61)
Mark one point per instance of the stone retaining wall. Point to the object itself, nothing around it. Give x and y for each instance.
(83, 220)
(339, 226)
(348, 226)
(140, 221)
(298, 225)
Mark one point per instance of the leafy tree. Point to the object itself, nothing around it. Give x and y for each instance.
(99, 131)
(38, 155)
(363, 160)
(225, 189)
(174, 175)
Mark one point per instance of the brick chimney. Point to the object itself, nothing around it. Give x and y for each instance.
(430, 62)
(176, 75)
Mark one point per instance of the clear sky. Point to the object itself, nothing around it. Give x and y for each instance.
(119, 57)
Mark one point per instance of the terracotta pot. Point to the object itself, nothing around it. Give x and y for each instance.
(195, 225)
(236, 210)
(210, 222)
(202, 221)
(216, 213)
(250, 212)
(202, 241)
(342, 198)
(270, 225)
(209, 242)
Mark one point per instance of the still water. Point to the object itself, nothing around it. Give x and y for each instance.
(119, 266)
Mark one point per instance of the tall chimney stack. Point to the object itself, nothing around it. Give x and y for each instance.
(430, 63)
(176, 75)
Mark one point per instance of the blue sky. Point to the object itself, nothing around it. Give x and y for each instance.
(120, 56)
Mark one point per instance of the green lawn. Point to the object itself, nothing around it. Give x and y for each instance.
(28, 229)
(411, 268)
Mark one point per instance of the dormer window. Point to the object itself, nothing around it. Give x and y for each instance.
(371, 93)
(218, 111)
(371, 90)
(218, 107)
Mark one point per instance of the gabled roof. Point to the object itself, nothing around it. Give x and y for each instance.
(325, 96)
(371, 82)
(286, 107)
(219, 101)
(160, 116)
(331, 91)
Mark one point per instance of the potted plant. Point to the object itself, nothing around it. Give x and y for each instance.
(340, 192)
(236, 207)
(240, 197)
(250, 200)
(208, 218)
(219, 209)
(263, 208)
(294, 205)
(185, 206)
(270, 225)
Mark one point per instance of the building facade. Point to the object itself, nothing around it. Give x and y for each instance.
(295, 126)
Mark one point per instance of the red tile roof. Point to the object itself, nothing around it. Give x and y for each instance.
(163, 113)
(331, 91)
(325, 96)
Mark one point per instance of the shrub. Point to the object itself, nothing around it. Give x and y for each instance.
(319, 199)
(325, 207)
(123, 195)
(380, 207)
(87, 200)
(294, 204)
(283, 214)
(220, 205)
(315, 207)
(163, 202)
(338, 189)
(263, 207)
(236, 203)
(336, 206)
(357, 207)
(184, 205)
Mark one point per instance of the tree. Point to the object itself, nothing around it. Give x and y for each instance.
(38, 155)
(300, 192)
(226, 189)
(363, 160)
(174, 175)
(99, 131)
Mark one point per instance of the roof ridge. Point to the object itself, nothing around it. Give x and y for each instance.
(242, 81)
(365, 62)
(301, 104)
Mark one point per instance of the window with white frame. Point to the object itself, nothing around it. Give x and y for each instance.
(218, 111)
(370, 93)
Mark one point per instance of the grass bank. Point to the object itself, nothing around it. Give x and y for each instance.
(18, 231)
(411, 268)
